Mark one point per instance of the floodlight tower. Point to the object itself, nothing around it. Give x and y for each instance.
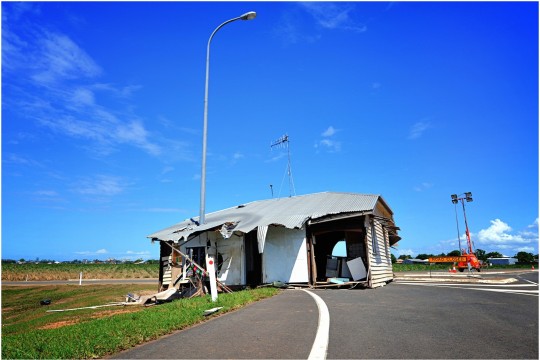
(469, 252)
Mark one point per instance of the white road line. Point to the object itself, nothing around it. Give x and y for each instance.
(532, 282)
(465, 284)
(320, 345)
(508, 291)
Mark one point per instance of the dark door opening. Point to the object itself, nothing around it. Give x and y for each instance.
(350, 234)
(253, 260)
(198, 255)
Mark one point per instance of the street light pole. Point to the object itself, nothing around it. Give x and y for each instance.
(247, 16)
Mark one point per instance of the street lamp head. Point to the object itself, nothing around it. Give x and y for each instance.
(249, 15)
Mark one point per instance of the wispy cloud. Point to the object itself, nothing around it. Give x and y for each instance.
(50, 193)
(333, 15)
(91, 253)
(70, 96)
(291, 32)
(423, 186)
(131, 252)
(100, 185)
(60, 59)
(322, 16)
(166, 210)
(328, 141)
(418, 129)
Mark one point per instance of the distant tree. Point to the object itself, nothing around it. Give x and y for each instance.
(8, 261)
(442, 254)
(494, 254)
(524, 257)
(481, 254)
(405, 257)
(21, 260)
(391, 257)
(454, 253)
(424, 256)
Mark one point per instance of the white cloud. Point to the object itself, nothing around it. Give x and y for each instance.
(329, 132)
(499, 233)
(83, 97)
(166, 210)
(409, 252)
(238, 156)
(101, 185)
(51, 193)
(333, 15)
(60, 58)
(528, 249)
(135, 133)
(418, 130)
(328, 142)
(130, 252)
(167, 169)
(64, 99)
(423, 186)
(89, 253)
(500, 236)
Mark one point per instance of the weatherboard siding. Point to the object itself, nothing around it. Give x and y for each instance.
(380, 264)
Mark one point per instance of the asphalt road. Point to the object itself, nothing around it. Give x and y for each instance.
(406, 319)
(281, 327)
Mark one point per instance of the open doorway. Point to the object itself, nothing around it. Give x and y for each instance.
(334, 244)
(253, 260)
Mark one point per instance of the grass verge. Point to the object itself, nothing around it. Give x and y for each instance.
(29, 332)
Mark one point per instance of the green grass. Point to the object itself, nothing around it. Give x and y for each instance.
(38, 272)
(28, 331)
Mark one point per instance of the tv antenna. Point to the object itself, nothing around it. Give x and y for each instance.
(283, 142)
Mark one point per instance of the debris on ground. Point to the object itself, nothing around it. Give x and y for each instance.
(212, 310)
(160, 297)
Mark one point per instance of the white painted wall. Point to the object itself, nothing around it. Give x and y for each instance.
(285, 255)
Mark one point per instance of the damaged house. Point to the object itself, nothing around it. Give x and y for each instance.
(290, 240)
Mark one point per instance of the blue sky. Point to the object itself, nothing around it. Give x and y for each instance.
(102, 109)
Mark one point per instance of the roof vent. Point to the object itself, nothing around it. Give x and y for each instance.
(240, 206)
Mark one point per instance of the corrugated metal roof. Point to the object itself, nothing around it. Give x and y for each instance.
(291, 212)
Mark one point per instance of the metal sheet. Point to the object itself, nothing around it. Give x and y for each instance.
(291, 212)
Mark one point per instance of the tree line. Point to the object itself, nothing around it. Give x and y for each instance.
(522, 256)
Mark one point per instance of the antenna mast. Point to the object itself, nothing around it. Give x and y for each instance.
(281, 143)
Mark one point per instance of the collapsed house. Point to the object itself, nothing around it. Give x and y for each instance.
(289, 240)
